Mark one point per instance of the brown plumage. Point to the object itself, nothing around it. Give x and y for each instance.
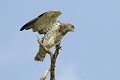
(52, 29)
(52, 38)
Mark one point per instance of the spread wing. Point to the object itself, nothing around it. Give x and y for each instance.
(44, 22)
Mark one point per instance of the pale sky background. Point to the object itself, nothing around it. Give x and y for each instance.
(92, 52)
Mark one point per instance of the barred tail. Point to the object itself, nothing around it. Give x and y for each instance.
(40, 55)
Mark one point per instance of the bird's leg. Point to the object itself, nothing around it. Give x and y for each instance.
(56, 45)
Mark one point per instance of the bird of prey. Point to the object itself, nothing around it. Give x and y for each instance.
(52, 29)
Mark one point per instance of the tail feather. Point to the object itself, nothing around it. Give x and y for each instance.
(40, 55)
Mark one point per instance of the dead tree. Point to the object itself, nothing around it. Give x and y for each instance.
(53, 57)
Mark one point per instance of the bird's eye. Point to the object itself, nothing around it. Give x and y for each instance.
(72, 26)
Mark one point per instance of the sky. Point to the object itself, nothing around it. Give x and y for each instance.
(91, 52)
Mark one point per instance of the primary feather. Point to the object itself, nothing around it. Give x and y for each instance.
(44, 22)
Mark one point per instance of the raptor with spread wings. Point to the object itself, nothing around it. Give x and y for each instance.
(52, 29)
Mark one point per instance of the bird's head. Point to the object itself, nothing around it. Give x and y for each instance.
(66, 27)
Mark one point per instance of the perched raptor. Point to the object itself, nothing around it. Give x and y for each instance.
(52, 29)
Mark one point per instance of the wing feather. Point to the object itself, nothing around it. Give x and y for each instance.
(43, 22)
(29, 24)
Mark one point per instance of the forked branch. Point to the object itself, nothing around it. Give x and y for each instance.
(53, 58)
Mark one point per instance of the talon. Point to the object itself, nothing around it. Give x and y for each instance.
(60, 47)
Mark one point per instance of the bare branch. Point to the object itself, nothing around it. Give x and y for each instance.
(53, 58)
(45, 74)
(53, 62)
